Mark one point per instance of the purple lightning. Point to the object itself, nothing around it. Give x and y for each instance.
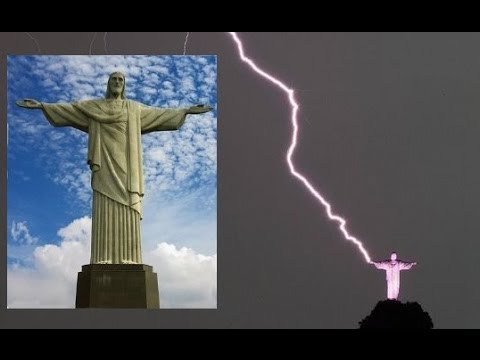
(291, 150)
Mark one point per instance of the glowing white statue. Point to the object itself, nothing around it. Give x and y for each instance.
(393, 267)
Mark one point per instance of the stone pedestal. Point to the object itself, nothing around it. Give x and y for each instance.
(117, 287)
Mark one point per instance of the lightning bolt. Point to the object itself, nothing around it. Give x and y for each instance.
(91, 42)
(105, 42)
(186, 43)
(39, 50)
(342, 223)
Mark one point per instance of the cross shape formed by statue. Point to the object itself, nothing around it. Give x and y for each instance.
(392, 268)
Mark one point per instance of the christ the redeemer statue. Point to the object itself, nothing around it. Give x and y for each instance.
(392, 268)
(114, 126)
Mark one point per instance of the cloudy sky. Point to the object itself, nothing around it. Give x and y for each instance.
(49, 192)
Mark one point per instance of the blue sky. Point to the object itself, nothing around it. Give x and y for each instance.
(49, 194)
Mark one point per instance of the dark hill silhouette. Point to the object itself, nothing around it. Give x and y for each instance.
(393, 314)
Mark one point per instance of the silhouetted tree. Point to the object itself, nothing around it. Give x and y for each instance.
(392, 314)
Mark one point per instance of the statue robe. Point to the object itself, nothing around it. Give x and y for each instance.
(115, 157)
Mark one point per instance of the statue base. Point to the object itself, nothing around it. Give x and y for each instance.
(117, 286)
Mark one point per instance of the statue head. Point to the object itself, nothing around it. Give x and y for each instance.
(393, 257)
(116, 85)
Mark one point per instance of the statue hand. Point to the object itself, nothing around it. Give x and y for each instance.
(199, 109)
(29, 104)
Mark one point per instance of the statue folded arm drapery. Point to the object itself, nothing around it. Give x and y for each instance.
(114, 126)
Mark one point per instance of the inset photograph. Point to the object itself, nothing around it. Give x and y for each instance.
(112, 182)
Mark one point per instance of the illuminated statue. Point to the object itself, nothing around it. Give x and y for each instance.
(393, 267)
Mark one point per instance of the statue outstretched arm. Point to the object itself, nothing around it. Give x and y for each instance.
(29, 104)
(379, 264)
(164, 119)
(58, 115)
(407, 265)
(199, 109)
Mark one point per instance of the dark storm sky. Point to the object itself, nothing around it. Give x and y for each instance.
(390, 129)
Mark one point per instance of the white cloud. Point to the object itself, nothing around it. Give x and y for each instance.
(51, 281)
(188, 84)
(21, 234)
(30, 289)
(187, 279)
